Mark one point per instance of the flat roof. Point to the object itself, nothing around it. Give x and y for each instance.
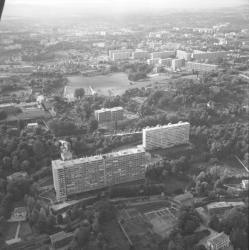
(166, 126)
(225, 204)
(59, 236)
(109, 109)
(60, 163)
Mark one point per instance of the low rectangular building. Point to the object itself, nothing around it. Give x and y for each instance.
(96, 172)
(213, 56)
(218, 242)
(163, 54)
(221, 207)
(140, 55)
(194, 66)
(166, 136)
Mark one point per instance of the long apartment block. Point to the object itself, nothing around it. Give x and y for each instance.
(109, 114)
(166, 136)
(96, 172)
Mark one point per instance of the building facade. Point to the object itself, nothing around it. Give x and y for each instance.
(194, 66)
(177, 63)
(181, 54)
(116, 55)
(108, 115)
(166, 136)
(95, 172)
(162, 54)
(213, 56)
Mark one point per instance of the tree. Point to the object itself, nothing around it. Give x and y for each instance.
(92, 125)
(3, 115)
(214, 223)
(79, 93)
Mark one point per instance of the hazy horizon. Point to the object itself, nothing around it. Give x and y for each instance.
(57, 8)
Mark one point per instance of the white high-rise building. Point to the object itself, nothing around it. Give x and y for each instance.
(166, 136)
(96, 172)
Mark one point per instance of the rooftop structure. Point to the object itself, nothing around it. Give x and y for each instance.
(166, 136)
(219, 241)
(95, 172)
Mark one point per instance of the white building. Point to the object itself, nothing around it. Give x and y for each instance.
(166, 136)
(177, 64)
(109, 114)
(163, 54)
(181, 54)
(95, 172)
(218, 242)
(140, 55)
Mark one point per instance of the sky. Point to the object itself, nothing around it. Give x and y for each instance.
(54, 7)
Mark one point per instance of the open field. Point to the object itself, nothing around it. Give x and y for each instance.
(111, 84)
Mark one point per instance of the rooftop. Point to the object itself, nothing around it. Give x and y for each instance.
(167, 126)
(225, 204)
(130, 151)
(60, 236)
(216, 239)
(109, 109)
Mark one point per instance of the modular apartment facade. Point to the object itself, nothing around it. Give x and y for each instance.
(190, 66)
(166, 136)
(162, 54)
(202, 56)
(111, 114)
(95, 172)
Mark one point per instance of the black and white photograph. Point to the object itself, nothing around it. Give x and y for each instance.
(124, 124)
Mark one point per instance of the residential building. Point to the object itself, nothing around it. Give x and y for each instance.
(60, 240)
(163, 54)
(96, 172)
(194, 66)
(181, 54)
(221, 207)
(167, 62)
(116, 55)
(218, 242)
(109, 114)
(213, 56)
(140, 54)
(121, 56)
(166, 136)
(177, 64)
(103, 115)
(153, 61)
